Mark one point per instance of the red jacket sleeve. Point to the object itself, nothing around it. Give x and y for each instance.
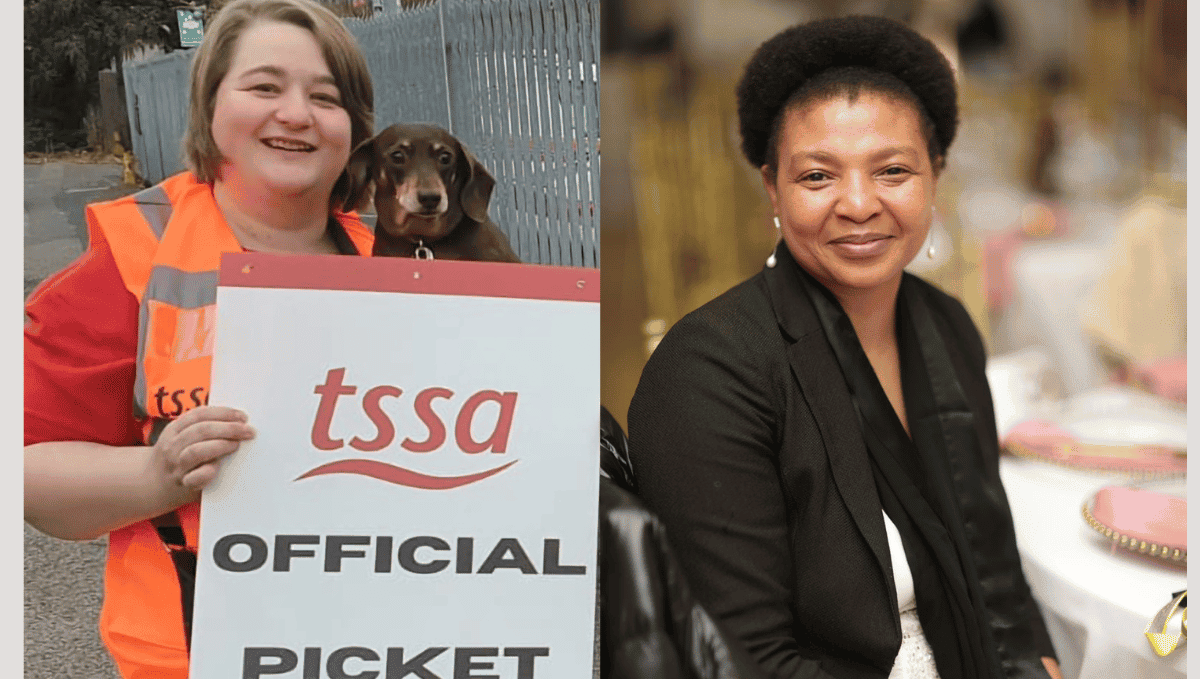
(80, 352)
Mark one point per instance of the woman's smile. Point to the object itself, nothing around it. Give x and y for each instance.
(292, 145)
(862, 245)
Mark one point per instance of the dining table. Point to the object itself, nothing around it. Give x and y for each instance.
(1096, 597)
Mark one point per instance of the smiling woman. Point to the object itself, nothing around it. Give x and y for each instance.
(819, 440)
(279, 95)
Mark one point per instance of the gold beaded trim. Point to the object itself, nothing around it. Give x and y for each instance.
(1133, 544)
(1023, 451)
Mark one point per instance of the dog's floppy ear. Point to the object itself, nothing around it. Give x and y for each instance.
(359, 171)
(477, 184)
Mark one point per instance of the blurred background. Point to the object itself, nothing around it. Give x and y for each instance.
(1061, 210)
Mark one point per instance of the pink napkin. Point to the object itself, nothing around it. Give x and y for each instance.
(1143, 514)
(1046, 440)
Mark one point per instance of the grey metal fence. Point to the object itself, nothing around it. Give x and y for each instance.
(517, 81)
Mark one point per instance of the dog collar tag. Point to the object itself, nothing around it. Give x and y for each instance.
(422, 252)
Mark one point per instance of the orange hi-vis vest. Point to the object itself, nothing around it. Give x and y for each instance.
(167, 242)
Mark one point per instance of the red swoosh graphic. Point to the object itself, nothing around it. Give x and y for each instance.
(399, 475)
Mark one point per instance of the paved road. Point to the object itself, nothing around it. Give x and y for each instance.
(55, 194)
(62, 579)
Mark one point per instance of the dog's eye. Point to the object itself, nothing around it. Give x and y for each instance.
(398, 156)
(445, 158)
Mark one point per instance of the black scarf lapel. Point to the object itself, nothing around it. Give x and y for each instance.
(914, 476)
(944, 434)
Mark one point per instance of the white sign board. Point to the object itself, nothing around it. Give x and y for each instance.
(421, 496)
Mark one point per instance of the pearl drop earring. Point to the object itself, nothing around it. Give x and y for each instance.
(771, 258)
(931, 252)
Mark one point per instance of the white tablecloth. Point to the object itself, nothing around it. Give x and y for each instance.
(1096, 600)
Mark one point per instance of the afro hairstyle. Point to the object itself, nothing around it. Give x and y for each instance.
(786, 62)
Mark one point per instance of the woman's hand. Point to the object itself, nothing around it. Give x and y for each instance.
(1052, 668)
(77, 490)
(186, 455)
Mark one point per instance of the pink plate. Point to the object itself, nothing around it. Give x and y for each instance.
(1141, 521)
(1047, 441)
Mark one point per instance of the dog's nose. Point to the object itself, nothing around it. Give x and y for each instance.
(429, 199)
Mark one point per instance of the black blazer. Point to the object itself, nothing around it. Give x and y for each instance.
(745, 442)
(651, 626)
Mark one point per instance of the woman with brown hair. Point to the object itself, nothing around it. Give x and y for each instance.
(119, 435)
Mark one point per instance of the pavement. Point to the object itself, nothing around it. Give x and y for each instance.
(55, 195)
(63, 580)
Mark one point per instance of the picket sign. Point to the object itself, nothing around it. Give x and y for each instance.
(421, 496)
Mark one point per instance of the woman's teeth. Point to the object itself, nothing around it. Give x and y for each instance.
(286, 145)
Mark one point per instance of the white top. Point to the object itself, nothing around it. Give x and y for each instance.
(914, 660)
(905, 598)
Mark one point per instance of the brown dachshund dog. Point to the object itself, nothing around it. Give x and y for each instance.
(431, 196)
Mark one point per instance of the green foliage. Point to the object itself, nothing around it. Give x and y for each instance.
(67, 43)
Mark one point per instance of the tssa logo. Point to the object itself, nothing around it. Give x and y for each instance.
(385, 432)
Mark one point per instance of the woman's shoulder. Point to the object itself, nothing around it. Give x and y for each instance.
(732, 339)
(740, 316)
(952, 315)
(171, 190)
(81, 316)
(155, 204)
(726, 359)
(356, 231)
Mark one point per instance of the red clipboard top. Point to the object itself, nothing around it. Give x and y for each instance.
(394, 274)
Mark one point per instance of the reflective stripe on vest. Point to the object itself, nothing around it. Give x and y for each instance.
(173, 272)
(155, 206)
(176, 320)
